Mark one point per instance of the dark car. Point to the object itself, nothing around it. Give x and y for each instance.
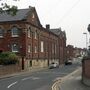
(68, 62)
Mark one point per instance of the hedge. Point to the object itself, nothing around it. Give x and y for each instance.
(7, 58)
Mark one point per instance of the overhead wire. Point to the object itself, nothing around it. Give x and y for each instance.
(68, 12)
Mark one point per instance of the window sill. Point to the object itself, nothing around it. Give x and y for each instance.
(15, 51)
(15, 36)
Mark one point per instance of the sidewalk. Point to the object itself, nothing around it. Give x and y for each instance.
(73, 82)
(23, 72)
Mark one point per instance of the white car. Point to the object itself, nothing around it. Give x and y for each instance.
(53, 65)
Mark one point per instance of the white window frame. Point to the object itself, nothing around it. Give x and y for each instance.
(35, 35)
(1, 34)
(13, 47)
(35, 49)
(29, 32)
(13, 32)
(29, 48)
(42, 46)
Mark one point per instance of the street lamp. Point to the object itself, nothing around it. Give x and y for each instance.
(89, 33)
(86, 39)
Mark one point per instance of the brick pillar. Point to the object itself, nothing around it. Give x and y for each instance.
(86, 70)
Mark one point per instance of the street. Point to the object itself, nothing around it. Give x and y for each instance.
(40, 80)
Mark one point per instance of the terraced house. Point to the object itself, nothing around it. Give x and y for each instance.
(36, 46)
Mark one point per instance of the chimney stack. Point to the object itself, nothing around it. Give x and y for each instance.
(47, 26)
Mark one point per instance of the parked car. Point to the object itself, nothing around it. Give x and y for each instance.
(68, 62)
(53, 65)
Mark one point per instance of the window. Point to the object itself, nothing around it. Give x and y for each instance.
(15, 32)
(33, 16)
(29, 48)
(35, 49)
(15, 48)
(1, 32)
(55, 48)
(29, 32)
(42, 46)
(35, 35)
(67, 51)
(46, 47)
(52, 48)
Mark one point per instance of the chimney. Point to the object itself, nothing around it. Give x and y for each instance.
(47, 26)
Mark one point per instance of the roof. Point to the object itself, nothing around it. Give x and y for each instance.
(56, 31)
(20, 15)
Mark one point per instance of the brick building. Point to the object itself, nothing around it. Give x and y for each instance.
(35, 45)
(79, 52)
(70, 52)
(62, 44)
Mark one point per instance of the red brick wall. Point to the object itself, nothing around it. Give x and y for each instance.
(86, 68)
(7, 40)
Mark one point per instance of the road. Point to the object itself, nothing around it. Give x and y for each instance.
(40, 80)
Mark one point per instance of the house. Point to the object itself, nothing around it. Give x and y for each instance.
(70, 52)
(36, 46)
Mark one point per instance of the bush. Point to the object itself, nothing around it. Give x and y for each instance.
(7, 58)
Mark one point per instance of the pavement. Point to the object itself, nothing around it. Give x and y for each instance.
(22, 72)
(72, 81)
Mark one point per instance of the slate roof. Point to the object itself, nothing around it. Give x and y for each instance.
(20, 15)
(56, 31)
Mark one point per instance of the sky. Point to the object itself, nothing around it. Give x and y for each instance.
(73, 16)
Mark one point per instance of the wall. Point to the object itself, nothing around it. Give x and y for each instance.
(86, 71)
(9, 69)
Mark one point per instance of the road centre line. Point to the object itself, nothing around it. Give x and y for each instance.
(26, 78)
(33, 78)
(12, 84)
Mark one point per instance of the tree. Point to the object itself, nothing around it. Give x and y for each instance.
(12, 10)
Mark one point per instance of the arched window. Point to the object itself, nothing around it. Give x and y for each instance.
(15, 47)
(1, 32)
(15, 31)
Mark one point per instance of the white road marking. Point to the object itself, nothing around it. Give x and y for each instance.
(26, 78)
(35, 78)
(11, 84)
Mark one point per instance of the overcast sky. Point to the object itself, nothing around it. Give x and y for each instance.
(73, 16)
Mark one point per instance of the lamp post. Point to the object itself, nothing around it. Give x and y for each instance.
(86, 39)
(89, 32)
